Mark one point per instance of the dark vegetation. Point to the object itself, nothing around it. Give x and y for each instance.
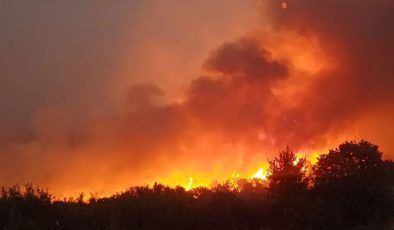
(350, 187)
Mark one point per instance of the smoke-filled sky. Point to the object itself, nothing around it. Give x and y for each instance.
(97, 96)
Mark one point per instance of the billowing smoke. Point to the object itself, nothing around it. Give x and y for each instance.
(306, 77)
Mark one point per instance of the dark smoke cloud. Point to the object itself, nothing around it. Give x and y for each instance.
(358, 35)
(240, 98)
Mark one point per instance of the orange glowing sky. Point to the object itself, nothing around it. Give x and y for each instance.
(100, 96)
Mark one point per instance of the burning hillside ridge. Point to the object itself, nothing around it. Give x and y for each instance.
(312, 74)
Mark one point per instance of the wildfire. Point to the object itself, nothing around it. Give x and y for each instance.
(260, 174)
(235, 176)
(189, 185)
(298, 157)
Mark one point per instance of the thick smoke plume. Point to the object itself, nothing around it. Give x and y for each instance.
(306, 77)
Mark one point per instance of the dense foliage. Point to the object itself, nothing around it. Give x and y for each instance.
(350, 187)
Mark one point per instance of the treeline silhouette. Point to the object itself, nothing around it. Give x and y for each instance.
(350, 187)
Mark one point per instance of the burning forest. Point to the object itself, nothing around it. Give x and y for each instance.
(188, 106)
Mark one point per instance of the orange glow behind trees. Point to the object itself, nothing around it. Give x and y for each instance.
(137, 100)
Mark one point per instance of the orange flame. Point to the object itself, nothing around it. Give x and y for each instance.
(189, 185)
(260, 174)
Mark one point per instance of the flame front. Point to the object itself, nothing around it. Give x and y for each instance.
(189, 185)
(260, 174)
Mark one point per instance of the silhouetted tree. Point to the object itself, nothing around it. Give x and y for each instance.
(288, 185)
(350, 184)
(287, 174)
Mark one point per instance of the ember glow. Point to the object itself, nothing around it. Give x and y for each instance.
(128, 93)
